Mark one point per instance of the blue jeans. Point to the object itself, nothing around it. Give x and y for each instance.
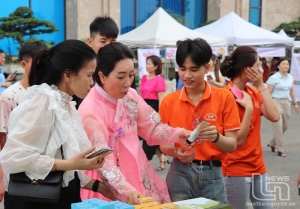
(187, 181)
(241, 189)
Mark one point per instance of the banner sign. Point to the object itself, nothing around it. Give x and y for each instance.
(270, 52)
(171, 53)
(220, 51)
(142, 55)
(295, 72)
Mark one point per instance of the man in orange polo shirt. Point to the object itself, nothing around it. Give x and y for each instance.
(196, 172)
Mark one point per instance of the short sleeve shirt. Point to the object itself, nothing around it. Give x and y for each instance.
(248, 158)
(9, 99)
(2, 80)
(282, 85)
(217, 106)
(150, 87)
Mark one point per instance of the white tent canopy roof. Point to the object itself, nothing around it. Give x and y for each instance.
(239, 32)
(162, 30)
(282, 33)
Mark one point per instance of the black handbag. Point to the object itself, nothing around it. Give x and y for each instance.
(39, 191)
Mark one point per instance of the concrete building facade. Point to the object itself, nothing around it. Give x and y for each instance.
(273, 12)
(80, 13)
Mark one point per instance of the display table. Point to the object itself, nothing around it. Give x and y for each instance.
(199, 203)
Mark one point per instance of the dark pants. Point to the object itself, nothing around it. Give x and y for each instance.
(69, 195)
(150, 150)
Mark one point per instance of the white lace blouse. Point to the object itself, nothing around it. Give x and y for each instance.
(45, 120)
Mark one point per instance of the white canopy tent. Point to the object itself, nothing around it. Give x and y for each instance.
(282, 33)
(239, 32)
(161, 30)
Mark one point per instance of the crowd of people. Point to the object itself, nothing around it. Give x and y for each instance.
(39, 118)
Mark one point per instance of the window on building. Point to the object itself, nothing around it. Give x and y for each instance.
(191, 13)
(255, 12)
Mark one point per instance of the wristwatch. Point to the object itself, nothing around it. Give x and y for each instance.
(95, 186)
(217, 138)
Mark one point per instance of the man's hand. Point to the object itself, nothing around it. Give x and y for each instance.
(185, 154)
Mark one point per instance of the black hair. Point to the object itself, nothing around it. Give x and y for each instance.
(243, 56)
(49, 65)
(30, 48)
(1, 51)
(280, 61)
(178, 42)
(156, 62)
(106, 26)
(198, 50)
(108, 56)
(263, 59)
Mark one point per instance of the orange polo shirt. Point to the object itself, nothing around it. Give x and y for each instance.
(248, 158)
(218, 108)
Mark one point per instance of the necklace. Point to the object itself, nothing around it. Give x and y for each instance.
(197, 120)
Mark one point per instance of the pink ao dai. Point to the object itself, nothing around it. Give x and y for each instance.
(116, 123)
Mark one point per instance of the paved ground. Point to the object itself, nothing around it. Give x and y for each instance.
(279, 168)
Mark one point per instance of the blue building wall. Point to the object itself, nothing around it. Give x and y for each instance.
(136, 12)
(50, 10)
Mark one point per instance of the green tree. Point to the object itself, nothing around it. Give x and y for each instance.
(22, 23)
(292, 29)
(208, 22)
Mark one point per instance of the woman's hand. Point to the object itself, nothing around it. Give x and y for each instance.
(11, 77)
(255, 76)
(246, 102)
(185, 154)
(80, 162)
(184, 135)
(211, 81)
(209, 133)
(296, 108)
(133, 198)
(105, 191)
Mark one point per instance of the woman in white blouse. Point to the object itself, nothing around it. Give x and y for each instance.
(47, 119)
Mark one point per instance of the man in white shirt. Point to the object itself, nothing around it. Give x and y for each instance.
(11, 97)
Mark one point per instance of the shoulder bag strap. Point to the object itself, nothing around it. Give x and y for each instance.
(62, 153)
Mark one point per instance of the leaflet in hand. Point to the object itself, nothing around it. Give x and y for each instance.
(193, 136)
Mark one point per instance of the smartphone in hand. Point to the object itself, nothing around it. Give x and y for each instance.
(106, 151)
(238, 94)
(15, 73)
(209, 77)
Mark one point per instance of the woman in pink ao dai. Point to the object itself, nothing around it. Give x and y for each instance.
(114, 115)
